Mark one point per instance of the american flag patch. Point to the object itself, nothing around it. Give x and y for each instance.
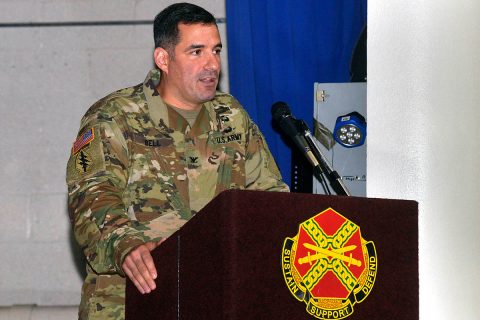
(83, 140)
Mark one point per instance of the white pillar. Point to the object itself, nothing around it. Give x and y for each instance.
(423, 138)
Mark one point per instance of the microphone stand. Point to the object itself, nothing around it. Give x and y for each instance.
(319, 174)
(324, 166)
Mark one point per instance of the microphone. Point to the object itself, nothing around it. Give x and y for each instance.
(294, 129)
(299, 132)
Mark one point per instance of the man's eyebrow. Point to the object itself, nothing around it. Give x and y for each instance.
(201, 46)
(195, 46)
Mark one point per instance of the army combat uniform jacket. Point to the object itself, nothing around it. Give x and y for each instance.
(138, 171)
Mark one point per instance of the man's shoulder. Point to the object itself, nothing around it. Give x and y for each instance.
(229, 113)
(115, 104)
(224, 101)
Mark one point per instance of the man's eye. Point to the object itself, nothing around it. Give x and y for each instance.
(196, 52)
(217, 51)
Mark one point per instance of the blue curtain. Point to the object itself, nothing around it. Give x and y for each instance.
(277, 49)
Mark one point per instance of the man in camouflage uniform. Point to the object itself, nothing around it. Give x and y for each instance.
(149, 157)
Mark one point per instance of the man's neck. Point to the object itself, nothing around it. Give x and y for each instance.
(172, 100)
(189, 115)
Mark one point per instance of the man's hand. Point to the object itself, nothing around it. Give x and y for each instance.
(139, 267)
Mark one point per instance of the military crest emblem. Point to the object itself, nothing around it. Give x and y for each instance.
(329, 265)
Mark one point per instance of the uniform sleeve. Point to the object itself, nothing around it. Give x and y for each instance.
(97, 176)
(261, 171)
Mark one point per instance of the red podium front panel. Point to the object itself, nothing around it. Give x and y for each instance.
(226, 262)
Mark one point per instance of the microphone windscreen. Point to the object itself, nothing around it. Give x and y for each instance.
(280, 109)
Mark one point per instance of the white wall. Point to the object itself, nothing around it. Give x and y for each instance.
(423, 114)
(49, 76)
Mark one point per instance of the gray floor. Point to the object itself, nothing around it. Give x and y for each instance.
(38, 313)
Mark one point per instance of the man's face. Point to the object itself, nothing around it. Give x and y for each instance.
(191, 75)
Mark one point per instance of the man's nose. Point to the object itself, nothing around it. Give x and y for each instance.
(213, 62)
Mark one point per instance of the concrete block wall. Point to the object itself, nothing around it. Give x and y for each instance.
(49, 76)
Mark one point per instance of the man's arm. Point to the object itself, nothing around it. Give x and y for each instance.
(97, 175)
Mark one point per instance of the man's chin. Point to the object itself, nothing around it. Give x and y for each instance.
(208, 96)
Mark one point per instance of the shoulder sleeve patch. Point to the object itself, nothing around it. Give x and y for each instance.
(87, 157)
(83, 140)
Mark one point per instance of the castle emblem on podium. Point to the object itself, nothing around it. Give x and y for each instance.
(329, 266)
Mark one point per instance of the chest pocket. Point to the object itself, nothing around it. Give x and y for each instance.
(228, 153)
(155, 182)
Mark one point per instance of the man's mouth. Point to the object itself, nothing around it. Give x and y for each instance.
(208, 80)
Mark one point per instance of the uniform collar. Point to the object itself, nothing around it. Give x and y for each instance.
(156, 107)
(160, 112)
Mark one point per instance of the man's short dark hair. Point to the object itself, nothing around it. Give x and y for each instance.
(165, 25)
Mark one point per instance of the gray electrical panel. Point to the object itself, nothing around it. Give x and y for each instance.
(331, 101)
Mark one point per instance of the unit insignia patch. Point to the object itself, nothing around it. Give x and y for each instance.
(329, 266)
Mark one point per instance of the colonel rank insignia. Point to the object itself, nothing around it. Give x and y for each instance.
(329, 266)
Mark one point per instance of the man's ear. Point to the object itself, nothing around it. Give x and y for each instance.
(161, 58)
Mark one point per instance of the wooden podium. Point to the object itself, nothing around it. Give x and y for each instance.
(226, 262)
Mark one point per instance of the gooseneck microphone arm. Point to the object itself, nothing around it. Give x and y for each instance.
(298, 131)
(332, 175)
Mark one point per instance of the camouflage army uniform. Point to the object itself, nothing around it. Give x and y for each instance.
(138, 172)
